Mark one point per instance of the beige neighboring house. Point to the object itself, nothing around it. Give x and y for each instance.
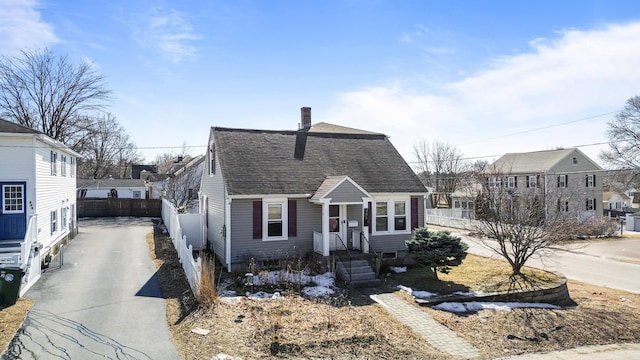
(566, 177)
(614, 200)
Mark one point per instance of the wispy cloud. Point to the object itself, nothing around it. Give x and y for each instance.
(22, 28)
(169, 32)
(577, 75)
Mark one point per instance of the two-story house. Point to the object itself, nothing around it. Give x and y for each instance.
(567, 181)
(321, 189)
(38, 197)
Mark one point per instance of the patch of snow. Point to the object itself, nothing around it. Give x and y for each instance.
(398, 269)
(466, 307)
(467, 293)
(227, 293)
(317, 291)
(416, 293)
(261, 295)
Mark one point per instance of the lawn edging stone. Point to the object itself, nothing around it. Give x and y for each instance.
(556, 293)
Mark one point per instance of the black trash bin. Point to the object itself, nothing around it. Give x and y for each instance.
(10, 281)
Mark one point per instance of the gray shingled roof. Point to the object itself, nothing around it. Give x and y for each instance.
(13, 128)
(529, 162)
(108, 183)
(262, 162)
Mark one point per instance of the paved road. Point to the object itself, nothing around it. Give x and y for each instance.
(614, 263)
(104, 303)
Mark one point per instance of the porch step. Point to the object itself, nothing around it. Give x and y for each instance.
(362, 275)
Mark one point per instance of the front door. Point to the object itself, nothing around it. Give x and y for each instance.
(13, 217)
(337, 227)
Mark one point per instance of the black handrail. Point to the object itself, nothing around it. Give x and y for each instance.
(348, 254)
(376, 257)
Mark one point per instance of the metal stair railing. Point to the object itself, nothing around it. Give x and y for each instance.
(342, 257)
(376, 258)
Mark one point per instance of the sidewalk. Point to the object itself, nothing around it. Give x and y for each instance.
(593, 352)
(438, 335)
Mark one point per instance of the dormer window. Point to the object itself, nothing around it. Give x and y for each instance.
(575, 160)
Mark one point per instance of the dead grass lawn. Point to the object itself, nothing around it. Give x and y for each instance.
(11, 319)
(299, 328)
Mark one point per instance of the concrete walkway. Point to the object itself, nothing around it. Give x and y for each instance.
(438, 335)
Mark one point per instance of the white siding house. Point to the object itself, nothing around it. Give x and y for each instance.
(38, 195)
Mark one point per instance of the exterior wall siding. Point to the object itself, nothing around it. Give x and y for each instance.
(53, 194)
(345, 192)
(212, 186)
(244, 246)
(395, 242)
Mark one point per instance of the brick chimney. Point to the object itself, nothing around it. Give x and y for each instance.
(305, 113)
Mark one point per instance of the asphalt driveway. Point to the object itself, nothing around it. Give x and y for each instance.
(105, 302)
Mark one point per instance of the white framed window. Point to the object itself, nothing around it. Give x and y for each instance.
(12, 199)
(590, 204)
(72, 166)
(590, 181)
(53, 220)
(494, 182)
(382, 216)
(400, 215)
(563, 205)
(274, 222)
(392, 216)
(212, 159)
(63, 165)
(54, 163)
(63, 218)
(532, 181)
(563, 180)
(512, 182)
(574, 160)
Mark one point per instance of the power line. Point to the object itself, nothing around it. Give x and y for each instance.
(540, 128)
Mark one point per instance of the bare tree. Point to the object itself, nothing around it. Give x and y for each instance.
(51, 95)
(184, 184)
(440, 165)
(166, 163)
(519, 223)
(624, 137)
(108, 151)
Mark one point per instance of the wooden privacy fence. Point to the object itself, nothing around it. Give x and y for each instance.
(192, 268)
(113, 207)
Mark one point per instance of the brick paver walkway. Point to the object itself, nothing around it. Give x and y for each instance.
(438, 335)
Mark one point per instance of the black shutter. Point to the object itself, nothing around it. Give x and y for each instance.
(515, 181)
(586, 180)
(257, 219)
(292, 217)
(537, 180)
(594, 180)
(558, 181)
(414, 213)
(527, 180)
(370, 215)
(566, 181)
(594, 204)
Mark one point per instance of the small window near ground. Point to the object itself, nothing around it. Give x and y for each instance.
(389, 255)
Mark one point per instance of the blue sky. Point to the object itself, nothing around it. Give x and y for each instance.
(489, 77)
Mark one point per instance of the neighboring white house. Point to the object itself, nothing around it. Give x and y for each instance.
(38, 198)
(112, 188)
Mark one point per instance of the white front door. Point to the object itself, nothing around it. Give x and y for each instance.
(337, 227)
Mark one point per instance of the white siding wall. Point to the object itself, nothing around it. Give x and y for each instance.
(53, 193)
(16, 164)
(212, 186)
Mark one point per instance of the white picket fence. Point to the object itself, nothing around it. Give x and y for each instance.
(192, 268)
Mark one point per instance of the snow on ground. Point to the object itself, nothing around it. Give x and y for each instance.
(397, 269)
(466, 307)
(324, 284)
